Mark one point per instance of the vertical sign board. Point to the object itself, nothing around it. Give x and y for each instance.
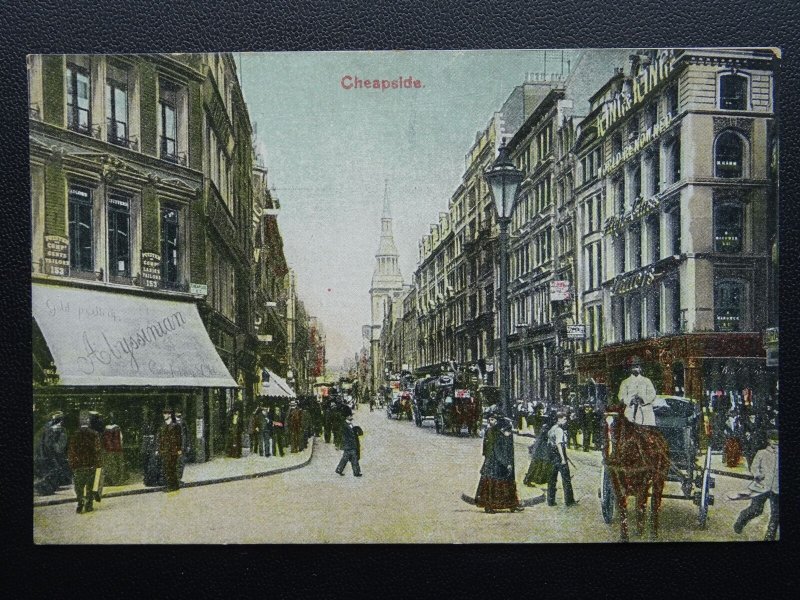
(559, 290)
(56, 255)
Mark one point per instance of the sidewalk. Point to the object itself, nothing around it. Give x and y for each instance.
(217, 470)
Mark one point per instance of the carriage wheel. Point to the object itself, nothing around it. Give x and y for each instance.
(417, 418)
(607, 498)
(706, 497)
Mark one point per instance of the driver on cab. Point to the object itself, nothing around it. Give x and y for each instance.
(637, 393)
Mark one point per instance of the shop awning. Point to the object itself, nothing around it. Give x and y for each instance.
(274, 387)
(100, 338)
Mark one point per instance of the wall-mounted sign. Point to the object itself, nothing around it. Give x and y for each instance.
(56, 255)
(462, 394)
(199, 429)
(201, 289)
(650, 134)
(576, 332)
(559, 290)
(634, 281)
(151, 269)
(639, 88)
(265, 337)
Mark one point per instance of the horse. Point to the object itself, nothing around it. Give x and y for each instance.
(637, 458)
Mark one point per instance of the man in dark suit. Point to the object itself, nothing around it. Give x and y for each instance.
(170, 448)
(84, 457)
(351, 447)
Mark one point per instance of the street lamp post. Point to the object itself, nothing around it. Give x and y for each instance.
(504, 180)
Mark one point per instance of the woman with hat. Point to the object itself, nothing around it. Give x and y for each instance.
(497, 489)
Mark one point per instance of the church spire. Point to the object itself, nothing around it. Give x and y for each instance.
(387, 270)
(387, 214)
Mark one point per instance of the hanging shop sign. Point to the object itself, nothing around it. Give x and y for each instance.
(638, 89)
(559, 290)
(576, 332)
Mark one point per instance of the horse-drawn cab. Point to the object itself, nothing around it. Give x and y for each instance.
(400, 405)
(458, 405)
(638, 460)
(425, 401)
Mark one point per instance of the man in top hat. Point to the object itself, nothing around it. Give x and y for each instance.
(84, 458)
(351, 447)
(294, 421)
(170, 448)
(637, 393)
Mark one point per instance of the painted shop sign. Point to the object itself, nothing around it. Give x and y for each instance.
(633, 148)
(56, 255)
(151, 269)
(201, 289)
(640, 86)
(634, 281)
(640, 209)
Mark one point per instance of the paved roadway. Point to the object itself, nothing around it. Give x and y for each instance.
(410, 492)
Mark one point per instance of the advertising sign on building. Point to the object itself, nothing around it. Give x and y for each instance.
(201, 289)
(462, 393)
(576, 332)
(559, 290)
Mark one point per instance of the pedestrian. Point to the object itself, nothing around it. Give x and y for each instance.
(497, 488)
(186, 444)
(541, 466)
(573, 426)
(170, 449)
(327, 420)
(764, 487)
(587, 424)
(113, 457)
(755, 438)
(255, 432)
(637, 393)
(233, 440)
(557, 441)
(351, 447)
(278, 430)
(50, 465)
(294, 423)
(97, 425)
(85, 458)
(265, 428)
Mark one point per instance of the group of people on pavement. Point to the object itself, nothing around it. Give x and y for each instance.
(497, 485)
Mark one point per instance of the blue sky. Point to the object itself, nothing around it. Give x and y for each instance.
(329, 152)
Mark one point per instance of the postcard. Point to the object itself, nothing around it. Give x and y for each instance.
(405, 296)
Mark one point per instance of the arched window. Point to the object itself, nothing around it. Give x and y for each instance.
(730, 304)
(729, 155)
(733, 92)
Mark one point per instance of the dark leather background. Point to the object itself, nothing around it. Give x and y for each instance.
(50, 26)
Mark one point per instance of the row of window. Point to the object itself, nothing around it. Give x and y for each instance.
(119, 250)
(80, 113)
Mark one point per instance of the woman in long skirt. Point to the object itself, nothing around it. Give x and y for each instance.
(497, 489)
(540, 467)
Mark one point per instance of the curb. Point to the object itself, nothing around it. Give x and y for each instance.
(191, 484)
